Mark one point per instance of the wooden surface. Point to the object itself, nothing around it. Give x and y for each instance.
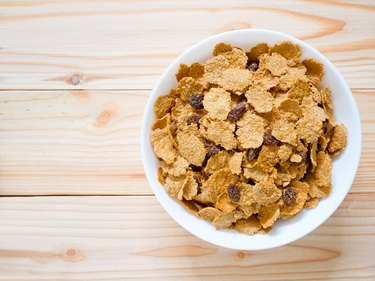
(74, 80)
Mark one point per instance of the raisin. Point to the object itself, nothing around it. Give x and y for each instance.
(212, 149)
(269, 139)
(196, 101)
(237, 112)
(234, 192)
(253, 66)
(289, 196)
(193, 119)
(252, 153)
(242, 99)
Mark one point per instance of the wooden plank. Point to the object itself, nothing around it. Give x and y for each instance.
(87, 142)
(71, 142)
(132, 238)
(85, 44)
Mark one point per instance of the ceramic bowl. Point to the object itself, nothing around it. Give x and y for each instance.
(344, 166)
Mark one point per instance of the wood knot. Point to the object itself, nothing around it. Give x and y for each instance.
(72, 255)
(105, 116)
(241, 255)
(75, 79)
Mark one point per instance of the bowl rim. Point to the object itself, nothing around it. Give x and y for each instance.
(149, 109)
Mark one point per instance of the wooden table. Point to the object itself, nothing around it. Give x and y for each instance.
(74, 80)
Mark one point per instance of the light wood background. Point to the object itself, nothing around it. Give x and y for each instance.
(74, 79)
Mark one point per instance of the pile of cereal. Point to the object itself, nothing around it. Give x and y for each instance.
(247, 138)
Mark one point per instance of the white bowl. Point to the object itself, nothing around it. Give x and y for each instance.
(344, 167)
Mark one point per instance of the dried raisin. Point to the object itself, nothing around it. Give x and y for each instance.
(252, 153)
(289, 196)
(237, 112)
(253, 66)
(269, 139)
(234, 192)
(196, 101)
(193, 119)
(212, 149)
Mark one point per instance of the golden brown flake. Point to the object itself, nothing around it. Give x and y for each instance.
(163, 105)
(235, 80)
(312, 203)
(250, 130)
(222, 48)
(177, 168)
(268, 214)
(162, 145)
(217, 162)
(217, 103)
(236, 57)
(290, 109)
(338, 139)
(189, 189)
(186, 87)
(261, 100)
(284, 131)
(248, 226)
(265, 192)
(314, 70)
(235, 163)
(217, 184)
(285, 152)
(275, 63)
(191, 148)
(308, 129)
(288, 50)
(257, 51)
(225, 204)
(214, 67)
(218, 131)
(173, 185)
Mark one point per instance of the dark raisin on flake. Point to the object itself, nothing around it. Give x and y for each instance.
(237, 112)
(196, 101)
(253, 66)
(252, 153)
(234, 192)
(289, 196)
(193, 119)
(212, 149)
(269, 139)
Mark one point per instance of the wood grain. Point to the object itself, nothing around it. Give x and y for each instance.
(71, 142)
(75, 76)
(122, 238)
(64, 47)
(87, 142)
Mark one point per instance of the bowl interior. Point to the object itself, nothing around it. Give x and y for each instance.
(344, 166)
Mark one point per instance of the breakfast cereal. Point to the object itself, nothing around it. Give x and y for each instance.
(247, 138)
